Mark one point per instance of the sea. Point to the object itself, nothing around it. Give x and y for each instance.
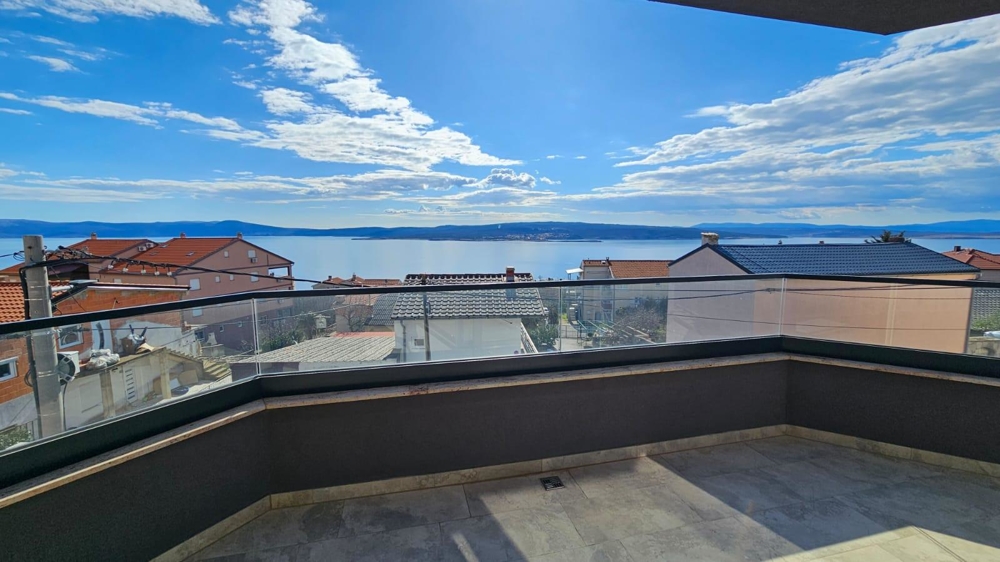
(317, 258)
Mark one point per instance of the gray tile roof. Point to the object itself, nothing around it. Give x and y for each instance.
(492, 303)
(841, 259)
(360, 347)
(382, 310)
(985, 303)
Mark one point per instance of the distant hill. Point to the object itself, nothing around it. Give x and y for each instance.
(953, 229)
(537, 231)
(534, 231)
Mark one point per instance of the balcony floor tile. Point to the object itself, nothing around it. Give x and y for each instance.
(777, 499)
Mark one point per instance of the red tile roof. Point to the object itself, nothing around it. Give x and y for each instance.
(629, 269)
(975, 258)
(181, 251)
(96, 246)
(11, 302)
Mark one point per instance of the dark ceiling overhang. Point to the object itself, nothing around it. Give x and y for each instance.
(874, 16)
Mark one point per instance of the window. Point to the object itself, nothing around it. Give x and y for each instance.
(231, 277)
(418, 342)
(70, 336)
(196, 312)
(225, 254)
(253, 277)
(251, 253)
(195, 283)
(218, 279)
(8, 369)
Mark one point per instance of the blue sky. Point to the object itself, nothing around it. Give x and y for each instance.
(394, 112)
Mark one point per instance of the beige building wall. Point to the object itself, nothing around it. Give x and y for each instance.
(704, 262)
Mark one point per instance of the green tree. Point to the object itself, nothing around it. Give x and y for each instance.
(888, 237)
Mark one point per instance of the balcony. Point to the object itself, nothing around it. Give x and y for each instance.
(744, 417)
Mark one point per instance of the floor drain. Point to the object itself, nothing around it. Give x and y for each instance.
(552, 483)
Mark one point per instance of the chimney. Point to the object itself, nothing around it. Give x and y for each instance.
(93, 236)
(239, 235)
(510, 274)
(958, 248)
(821, 242)
(184, 235)
(709, 239)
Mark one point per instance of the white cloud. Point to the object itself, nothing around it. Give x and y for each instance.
(56, 65)
(5, 40)
(916, 125)
(365, 124)
(506, 177)
(83, 55)
(580, 158)
(552, 157)
(51, 40)
(14, 111)
(547, 181)
(220, 127)
(89, 10)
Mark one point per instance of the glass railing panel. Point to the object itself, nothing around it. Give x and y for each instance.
(614, 315)
(984, 323)
(720, 310)
(914, 316)
(75, 375)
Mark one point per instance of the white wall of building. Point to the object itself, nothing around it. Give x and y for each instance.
(459, 338)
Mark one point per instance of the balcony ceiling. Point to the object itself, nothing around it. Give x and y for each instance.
(874, 16)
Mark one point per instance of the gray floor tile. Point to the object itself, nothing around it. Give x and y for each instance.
(919, 548)
(824, 527)
(634, 512)
(611, 551)
(725, 540)
(707, 505)
(786, 449)
(281, 527)
(812, 480)
(415, 544)
(283, 554)
(523, 492)
(876, 469)
(865, 554)
(509, 536)
(973, 541)
(407, 509)
(927, 503)
(712, 461)
(749, 492)
(600, 479)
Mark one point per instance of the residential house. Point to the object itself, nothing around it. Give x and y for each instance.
(353, 313)
(988, 264)
(464, 324)
(111, 247)
(94, 393)
(599, 303)
(841, 310)
(235, 265)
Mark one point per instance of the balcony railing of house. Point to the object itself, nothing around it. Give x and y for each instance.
(76, 387)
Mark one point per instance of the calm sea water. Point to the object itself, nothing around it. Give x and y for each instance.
(319, 257)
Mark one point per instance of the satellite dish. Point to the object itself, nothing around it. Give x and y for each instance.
(66, 368)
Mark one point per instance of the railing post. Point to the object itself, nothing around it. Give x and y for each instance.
(781, 309)
(256, 335)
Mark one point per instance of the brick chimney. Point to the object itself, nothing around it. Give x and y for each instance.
(93, 236)
(958, 248)
(239, 235)
(709, 239)
(183, 235)
(510, 274)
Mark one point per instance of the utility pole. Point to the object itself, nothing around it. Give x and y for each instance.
(427, 324)
(45, 358)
